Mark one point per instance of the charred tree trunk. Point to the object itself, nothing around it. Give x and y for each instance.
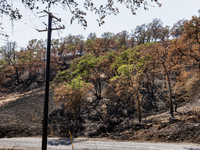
(17, 75)
(170, 96)
(139, 111)
(199, 64)
(153, 86)
(139, 108)
(99, 87)
(153, 81)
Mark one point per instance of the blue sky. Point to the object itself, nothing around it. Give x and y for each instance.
(24, 30)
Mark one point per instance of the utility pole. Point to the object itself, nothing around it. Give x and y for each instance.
(199, 12)
(46, 99)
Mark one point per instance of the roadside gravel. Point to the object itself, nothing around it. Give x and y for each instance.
(89, 144)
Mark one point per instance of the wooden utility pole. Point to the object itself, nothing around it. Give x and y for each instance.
(199, 12)
(46, 99)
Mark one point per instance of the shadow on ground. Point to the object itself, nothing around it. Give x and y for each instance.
(192, 148)
(63, 142)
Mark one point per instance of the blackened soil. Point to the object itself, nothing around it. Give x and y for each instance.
(98, 118)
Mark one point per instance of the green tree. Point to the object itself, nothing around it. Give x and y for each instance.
(87, 68)
(140, 33)
(95, 46)
(10, 56)
(127, 85)
(72, 96)
(6, 74)
(92, 36)
(121, 39)
(31, 58)
(109, 41)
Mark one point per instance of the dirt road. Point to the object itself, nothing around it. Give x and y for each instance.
(89, 144)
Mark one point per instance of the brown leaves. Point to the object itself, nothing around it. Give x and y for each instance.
(188, 44)
(71, 96)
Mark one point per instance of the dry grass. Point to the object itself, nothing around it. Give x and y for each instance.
(12, 97)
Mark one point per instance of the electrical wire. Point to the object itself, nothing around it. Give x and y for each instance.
(23, 20)
(42, 22)
(33, 24)
(23, 17)
(35, 27)
(23, 29)
(3, 39)
(64, 21)
(40, 16)
(12, 21)
(57, 30)
(29, 25)
(17, 21)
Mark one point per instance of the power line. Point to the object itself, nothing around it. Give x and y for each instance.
(3, 39)
(22, 30)
(57, 30)
(64, 21)
(23, 21)
(199, 12)
(40, 18)
(33, 24)
(17, 21)
(27, 24)
(8, 20)
(12, 21)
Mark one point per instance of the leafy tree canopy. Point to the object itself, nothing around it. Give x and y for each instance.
(100, 9)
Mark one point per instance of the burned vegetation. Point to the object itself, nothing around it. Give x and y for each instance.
(117, 86)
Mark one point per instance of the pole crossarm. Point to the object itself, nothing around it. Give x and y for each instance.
(63, 27)
(52, 16)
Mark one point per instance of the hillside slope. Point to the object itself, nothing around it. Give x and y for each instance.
(21, 116)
